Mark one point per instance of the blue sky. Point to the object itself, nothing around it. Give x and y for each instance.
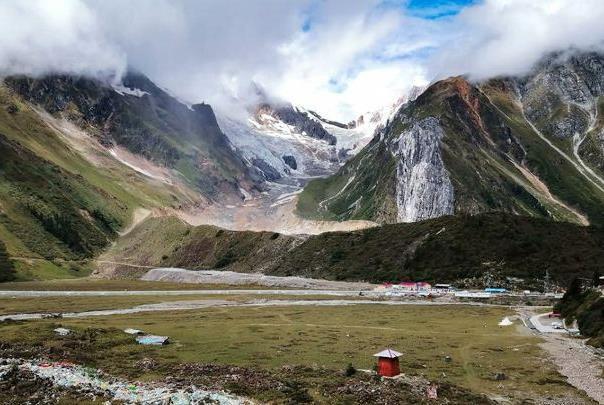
(427, 9)
(432, 9)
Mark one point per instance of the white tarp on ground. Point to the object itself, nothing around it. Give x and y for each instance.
(62, 331)
(505, 322)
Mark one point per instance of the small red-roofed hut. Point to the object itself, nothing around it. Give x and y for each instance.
(388, 365)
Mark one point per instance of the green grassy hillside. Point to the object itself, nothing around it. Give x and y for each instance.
(451, 248)
(169, 242)
(363, 188)
(561, 177)
(57, 207)
(446, 249)
(7, 270)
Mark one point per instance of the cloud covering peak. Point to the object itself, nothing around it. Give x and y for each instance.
(507, 37)
(39, 36)
(338, 57)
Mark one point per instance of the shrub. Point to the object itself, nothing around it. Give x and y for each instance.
(7, 270)
(297, 393)
(350, 370)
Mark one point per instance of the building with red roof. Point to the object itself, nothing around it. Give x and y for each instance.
(388, 364)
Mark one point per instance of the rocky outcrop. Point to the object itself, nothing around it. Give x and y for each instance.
(300, 120)
(423, 186)
(561, 94)
(290, 161)
(268, 172)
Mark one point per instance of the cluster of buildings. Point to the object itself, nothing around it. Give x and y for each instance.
(414, 287)
(422, 288)
(410, 286)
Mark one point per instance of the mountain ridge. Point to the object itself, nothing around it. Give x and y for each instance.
(147, 122)
(503, 246)
(495, 158)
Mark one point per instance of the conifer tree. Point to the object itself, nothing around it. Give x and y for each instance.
(7, 270)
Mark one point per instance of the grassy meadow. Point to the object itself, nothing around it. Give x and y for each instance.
(270, 338)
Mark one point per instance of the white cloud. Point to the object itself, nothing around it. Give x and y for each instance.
(355, 56)
(212, 50)
(499, 37)
(37, 36)
(346, 67)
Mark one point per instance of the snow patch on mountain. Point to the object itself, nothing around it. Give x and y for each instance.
(268, 143)
(123, 90)
(423, 187)
(265, 145)
(140, 165)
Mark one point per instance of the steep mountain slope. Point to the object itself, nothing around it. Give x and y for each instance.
(81, 158)
(63, 197)
(148, 122)
(300, 120)
(563, 99)
(468, 248)
(464, 148)
(7, 270)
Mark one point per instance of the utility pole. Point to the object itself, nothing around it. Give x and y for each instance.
(546, 282)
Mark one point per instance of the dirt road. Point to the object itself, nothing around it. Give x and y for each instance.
(543, 327)
(109, 293)
(176, 275)
(210, 303)
(138, 216)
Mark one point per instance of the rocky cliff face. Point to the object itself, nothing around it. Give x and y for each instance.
(526, 145)
(423, 187)
(562, 97)
(558, 99)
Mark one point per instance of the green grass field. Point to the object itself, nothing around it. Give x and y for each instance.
(325, 337)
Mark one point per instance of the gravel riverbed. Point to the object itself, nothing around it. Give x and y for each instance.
(577, 362)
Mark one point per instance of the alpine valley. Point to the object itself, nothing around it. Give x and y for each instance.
(280, 202)
(87, 161)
